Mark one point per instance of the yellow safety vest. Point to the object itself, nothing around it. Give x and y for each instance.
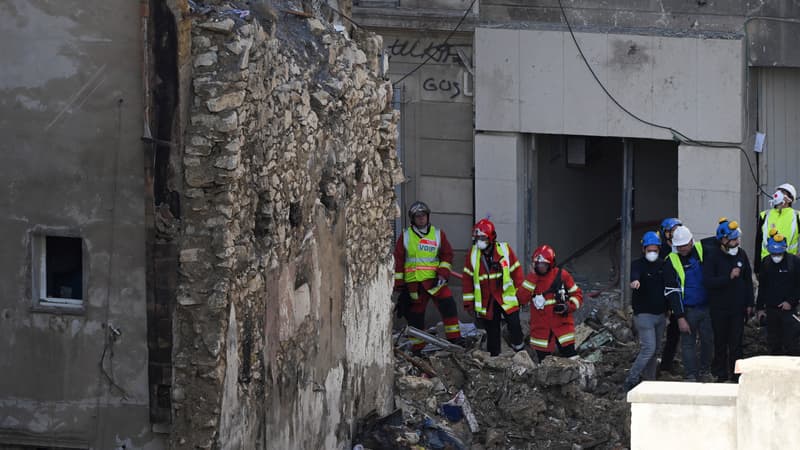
(509, 290)
(422, 254)
(675, 259)
(786, 224)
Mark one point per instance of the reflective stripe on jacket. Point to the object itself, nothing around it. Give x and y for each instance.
(677, 265)
(422, 254)
(509, 290)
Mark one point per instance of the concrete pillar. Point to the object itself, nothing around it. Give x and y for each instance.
(499, 180)
(769, 402)
(709, 187)
(671, 415)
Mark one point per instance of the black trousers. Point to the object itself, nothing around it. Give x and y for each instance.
(670, 344)
(446, 307)
(493, 329)
(565, 351)
(728, 329)
(782, 332)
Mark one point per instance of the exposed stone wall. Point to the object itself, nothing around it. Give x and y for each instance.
(282, 328)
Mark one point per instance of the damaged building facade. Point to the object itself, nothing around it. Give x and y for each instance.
(197, 211)
(571, 166)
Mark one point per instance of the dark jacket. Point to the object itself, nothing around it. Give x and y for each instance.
(665, 249)
(649, 298)
(694, 292)
(723, 293)
(779, 282)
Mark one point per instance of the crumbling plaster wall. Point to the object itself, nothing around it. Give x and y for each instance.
(282, 328)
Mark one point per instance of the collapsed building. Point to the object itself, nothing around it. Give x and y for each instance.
(197, 204)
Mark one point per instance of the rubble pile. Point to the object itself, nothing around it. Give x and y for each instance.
(513, 401)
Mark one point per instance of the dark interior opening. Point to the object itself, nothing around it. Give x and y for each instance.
(64, 267)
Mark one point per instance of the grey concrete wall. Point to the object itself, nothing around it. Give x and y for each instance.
(436, 128)
(70, 115)
(536, 81)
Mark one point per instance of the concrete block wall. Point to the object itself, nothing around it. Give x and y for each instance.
(499, 192)
(535, 81)
(757, 413)
(703, 198)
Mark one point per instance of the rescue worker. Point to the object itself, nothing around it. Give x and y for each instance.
(491, 276)
(555, 297)
(729, 284)
(649, 309)
(781, 217)
(711, 243)
(423, 261)
(683, 280)
(668, 226)
(778, 293)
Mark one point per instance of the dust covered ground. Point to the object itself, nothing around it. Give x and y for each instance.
(513, 401)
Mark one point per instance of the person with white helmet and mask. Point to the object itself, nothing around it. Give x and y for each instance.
(685, 290)
(782, 218)
(729, 285)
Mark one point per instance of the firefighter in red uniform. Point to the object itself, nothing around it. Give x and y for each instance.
(423, 260)
(491, 276)
(555, 297)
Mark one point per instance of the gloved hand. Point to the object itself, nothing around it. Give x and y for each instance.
(561, 308)
(538, 301)
(469, 307)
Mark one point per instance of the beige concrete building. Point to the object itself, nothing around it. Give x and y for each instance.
(558, 160)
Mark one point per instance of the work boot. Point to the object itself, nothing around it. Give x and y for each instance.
(460, 341)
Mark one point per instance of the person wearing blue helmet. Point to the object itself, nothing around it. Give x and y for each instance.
(778, 293)
(649, 309)
(729, 286)
(668, 226)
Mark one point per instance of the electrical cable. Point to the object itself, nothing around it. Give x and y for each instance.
(109, 334)
(677, 135)
(430, 56)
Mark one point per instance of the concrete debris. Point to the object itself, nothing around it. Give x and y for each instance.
(518, 402)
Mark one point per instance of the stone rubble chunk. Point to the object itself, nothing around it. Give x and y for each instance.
(222, 26)
(315, 26)
(226, 101)
(205, 59)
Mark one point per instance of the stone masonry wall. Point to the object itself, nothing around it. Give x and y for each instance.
(282, 328)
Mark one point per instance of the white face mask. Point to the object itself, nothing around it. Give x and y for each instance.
(651, 256)
(777, 198)
(481, 244)
(777, 258)
(733, 251)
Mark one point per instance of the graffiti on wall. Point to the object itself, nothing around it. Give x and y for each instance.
(440, 52)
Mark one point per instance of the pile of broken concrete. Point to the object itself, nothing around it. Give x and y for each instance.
(470, 400)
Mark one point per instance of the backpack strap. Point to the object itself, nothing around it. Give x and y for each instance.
(556, 285)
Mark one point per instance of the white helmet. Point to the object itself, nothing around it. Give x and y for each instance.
(681, 236)
(790, 189)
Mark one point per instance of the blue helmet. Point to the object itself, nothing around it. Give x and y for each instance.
(669, 223)
(776, 244)
(728, 230)
(651, 238)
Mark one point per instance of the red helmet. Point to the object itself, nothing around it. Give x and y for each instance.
(545, 254)
(484, 227)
